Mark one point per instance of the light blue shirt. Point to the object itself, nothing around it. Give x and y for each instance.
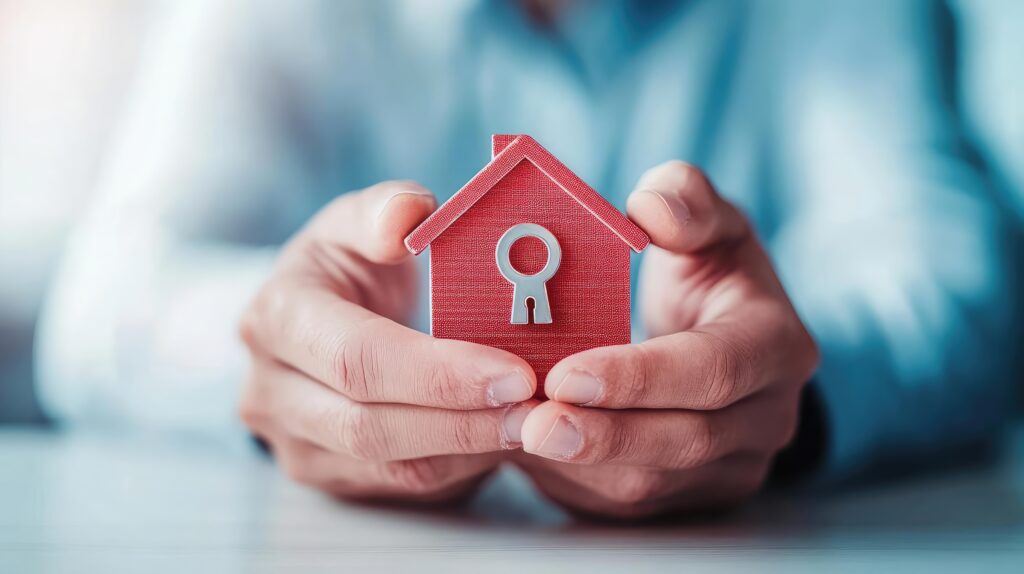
(829, 123)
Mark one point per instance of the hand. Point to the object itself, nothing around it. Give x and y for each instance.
(351, 401)
(692, 417)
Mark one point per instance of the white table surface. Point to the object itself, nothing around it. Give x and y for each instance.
(93, 503)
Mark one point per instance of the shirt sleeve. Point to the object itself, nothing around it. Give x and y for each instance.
(209, 174)
(892, 249)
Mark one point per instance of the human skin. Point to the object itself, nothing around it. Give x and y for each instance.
(350, 400)
(356, 404)
(692, 417)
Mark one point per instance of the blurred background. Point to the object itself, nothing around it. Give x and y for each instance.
(66, 71)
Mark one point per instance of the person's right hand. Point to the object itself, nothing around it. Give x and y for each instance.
(351, 401)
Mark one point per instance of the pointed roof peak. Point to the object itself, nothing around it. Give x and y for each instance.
(508, 152)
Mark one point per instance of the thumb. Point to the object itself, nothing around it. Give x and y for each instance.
(373, 222)
(680, 210)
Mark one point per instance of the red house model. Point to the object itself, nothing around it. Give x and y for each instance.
(526, 257)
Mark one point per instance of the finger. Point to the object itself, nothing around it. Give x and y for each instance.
(707, 368)
(384, 432)
(661, 438)
(373, 222)
(631, 492)
(369, 358)
(680, 210)
(424, 480)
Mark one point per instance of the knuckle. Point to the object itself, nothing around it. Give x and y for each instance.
(719, 386)
(251, 406)
(635, 487)
(703, 445)
(248, 328)
(269, 310)
(722, 383)
(250, 413)
(638, 365)
(601, 440)
(332, 422)
(464, 433)
(267, 303)
(621, 444)
(443, 384)
(271, 301)
(345, 365)
(416, 476)
(354, 365)
(360, 433)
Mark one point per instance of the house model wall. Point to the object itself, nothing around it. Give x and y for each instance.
(588, 294)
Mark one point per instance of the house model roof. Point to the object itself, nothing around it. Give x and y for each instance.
(523, 147)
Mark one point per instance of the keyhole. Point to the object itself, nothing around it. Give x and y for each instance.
(528, 255)
(529, 292)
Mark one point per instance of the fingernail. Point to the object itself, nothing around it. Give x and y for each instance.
(675, 205)
(578, 387)
(512, 426)
(508, 389)
(563, 440)
(409, 193)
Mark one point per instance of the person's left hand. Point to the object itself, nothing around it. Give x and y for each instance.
(692, 417)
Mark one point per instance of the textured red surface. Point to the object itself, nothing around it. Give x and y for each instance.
(500, 142)
(524, 147)
(589, 295)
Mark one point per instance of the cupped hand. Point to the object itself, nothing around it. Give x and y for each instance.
(350, 400)
(692, 417)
